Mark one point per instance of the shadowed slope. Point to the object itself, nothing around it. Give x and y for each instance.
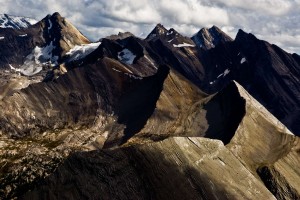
(176, 168)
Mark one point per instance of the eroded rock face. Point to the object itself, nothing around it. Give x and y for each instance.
(275, 139)
(284, 184)
(193, 164)
(89, 115)
(176, 168)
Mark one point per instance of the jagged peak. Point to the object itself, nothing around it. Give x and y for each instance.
(214, 27)
(159, 29)
(244, 104)
(208, 38)
(56, 14)
(254, 103)
(55, 23)
(159, 26)
(172, 31)
(16, 22)
(55, 17)
(242, 33)
(120, 35)
(205, 30)
(244, 36)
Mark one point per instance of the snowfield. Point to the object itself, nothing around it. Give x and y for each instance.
(126, 56)
(80, 51)
(183, 45)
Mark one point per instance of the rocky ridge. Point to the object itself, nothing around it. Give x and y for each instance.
(125, 104)
(9, 21)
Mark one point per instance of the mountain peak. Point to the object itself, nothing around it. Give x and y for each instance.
(159, 29)
(15, 22)
(55, 17)
(56, 14)
(208, 38)
(242, 36)
(160, 26)
(120, 35)
(56, 26)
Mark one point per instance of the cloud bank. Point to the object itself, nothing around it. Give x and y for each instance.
(277, 21)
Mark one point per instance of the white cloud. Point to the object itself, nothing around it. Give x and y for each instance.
(272, 7)
(277, 21)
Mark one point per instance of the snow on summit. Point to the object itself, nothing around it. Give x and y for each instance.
(9, 21)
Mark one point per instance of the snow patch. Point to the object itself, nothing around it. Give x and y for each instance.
(224, 73)
(24, 35)
(171, 40)
(27, 71)
(128, 74)
(45, 54)
(126, 56)
(50, 24)
(169, 33)
(80, 51)
(243, 60)
(183, 45)
(2, 38)
(9, 21)
(152, 36)
(31, 21)
(133, 76)
(36, 59)
(116, 70)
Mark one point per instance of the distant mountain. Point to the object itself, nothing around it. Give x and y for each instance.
(208, 38)
(269, 74)
(120, 36)
(33, 51)
(133, 118)
(44, 43)
(10, 21)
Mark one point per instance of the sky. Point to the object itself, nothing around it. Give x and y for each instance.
(277, 21)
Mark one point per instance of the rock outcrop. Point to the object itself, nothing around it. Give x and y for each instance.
(194, 164)
(176, 168)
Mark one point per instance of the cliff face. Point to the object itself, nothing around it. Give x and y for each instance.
(267, 72)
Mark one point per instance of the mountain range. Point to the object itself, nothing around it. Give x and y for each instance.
(164, 117)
